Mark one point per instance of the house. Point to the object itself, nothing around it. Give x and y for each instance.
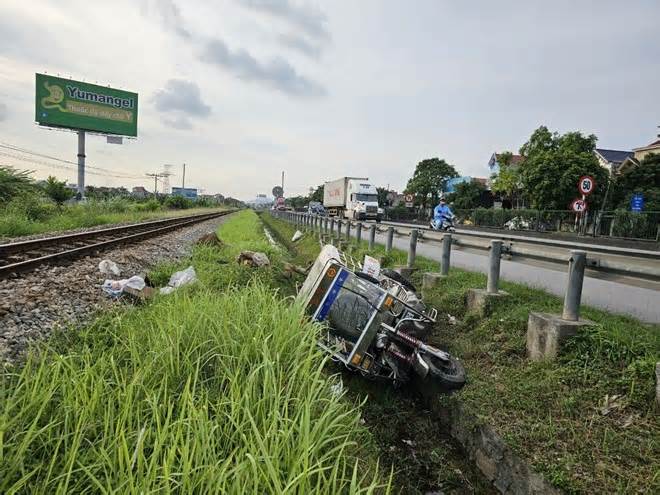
(139, 192)
(451, 184)
(496, 160)
(632, 158)
(612, 159)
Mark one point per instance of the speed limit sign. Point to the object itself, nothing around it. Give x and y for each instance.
(586, 184)
(579, 205)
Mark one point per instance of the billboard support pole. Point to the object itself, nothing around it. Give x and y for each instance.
(81, 163)
(183, 182)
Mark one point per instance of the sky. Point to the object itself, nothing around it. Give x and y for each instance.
(241, 90)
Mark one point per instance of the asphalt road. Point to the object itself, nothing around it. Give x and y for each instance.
(642, 303)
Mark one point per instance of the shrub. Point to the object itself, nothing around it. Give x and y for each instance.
(151, 205)
(633, 224)
(57, 190)
(14, 183)
(33, 207)
(178, 202)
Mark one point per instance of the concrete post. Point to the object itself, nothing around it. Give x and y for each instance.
(339, 222)
(412, 250)
(332, 227)
(358, 232)
(446, 252)
(372, 236)
(494, 267)
(390, 239)
(325, 226)
(576, 266)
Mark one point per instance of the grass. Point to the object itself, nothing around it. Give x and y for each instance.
(216, 388)
(22, 221)
(550, 413)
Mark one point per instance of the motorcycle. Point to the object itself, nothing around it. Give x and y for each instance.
(376, 324)
(445, 224)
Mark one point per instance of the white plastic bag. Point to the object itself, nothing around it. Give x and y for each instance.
(296, 236)
(116, 287)
(108, 267)
(178, 279)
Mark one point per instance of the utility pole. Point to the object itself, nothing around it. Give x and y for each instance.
(282, 182)
(81, 163)
(183, 182)
(156, 176)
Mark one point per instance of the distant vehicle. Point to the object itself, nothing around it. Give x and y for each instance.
(352, 197)
(315, 208)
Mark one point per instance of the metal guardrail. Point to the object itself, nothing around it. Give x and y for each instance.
(637, 263)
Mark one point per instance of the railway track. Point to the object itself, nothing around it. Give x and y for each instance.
(18, 257)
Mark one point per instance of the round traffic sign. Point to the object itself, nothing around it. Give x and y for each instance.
(409, 198)
(579, 205)
(586, 184)
(278, 191)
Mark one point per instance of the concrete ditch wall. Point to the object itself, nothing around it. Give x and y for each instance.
(509, 473)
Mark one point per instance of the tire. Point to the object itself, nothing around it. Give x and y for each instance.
(448, 376)
(397, 277)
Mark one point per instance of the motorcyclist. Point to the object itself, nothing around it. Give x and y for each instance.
(442, 212)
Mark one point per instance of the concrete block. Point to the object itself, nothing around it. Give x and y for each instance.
(546, 332)
(482, 302)
(431, 279)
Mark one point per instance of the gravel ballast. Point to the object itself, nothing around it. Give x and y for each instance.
(36, 303)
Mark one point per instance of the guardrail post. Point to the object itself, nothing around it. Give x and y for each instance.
(494, 267)
(390, 239)
(339, 222)
(348, 231)
(372, 236)
(412, 250)
(325, 225)
(446, 252)
(358, 232)
(332, 228)
(576, 265)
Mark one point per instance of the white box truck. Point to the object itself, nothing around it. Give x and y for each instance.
(352, 197)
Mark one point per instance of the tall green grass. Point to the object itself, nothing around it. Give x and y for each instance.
(29, 216)
(202, 391)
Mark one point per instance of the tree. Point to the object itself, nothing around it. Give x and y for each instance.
(467, 195)
(317, 195)
(14, 183)
(553, 166)
(643, 179)
(507, 182)
(382, 196)
(429, 179)
(57, 190)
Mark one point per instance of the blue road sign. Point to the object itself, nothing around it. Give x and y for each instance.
(637, 202)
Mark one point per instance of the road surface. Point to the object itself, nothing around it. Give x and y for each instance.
(642, 303)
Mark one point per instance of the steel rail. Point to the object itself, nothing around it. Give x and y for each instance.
(123, 234)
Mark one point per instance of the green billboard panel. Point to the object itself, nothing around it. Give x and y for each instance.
(78, 105)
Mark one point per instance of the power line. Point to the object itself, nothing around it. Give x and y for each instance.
(113, 173)
(65, 167)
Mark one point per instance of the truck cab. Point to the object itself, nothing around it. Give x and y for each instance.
(362, 201)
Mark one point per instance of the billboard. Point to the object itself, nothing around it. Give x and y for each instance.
(78, 105)
(186, 192)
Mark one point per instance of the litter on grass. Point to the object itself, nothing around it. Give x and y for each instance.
(252, 258)
(116, 287)
(178, 279)
(296, 236)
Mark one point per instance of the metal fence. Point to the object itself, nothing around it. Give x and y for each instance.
(618, 223)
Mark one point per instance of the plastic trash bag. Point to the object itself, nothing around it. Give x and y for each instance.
(178, 279)
(296, 236)
(116, 287)
(108, 267)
